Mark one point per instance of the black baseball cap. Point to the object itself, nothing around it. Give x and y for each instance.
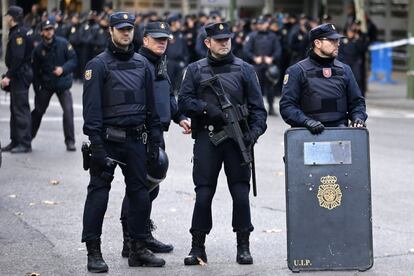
(121, 20)
(14, 11)
(158, 29)
(326, 30)
(219, 30)
(50, 22)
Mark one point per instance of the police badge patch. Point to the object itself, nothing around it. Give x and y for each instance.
(327, 72)
(19, 40)
(88, 74)
(286, 79)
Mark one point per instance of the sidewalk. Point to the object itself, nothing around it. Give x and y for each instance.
(391, 96)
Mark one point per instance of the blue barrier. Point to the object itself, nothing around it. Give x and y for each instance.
(381, 65)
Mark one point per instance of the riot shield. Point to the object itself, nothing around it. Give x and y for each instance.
(328, 199)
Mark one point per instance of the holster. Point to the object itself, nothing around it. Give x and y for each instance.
(86, 154)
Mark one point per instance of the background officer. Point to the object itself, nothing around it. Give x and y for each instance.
(53, 61)
(119, 111)
(240, 83)
(263, 48)
(321, 91)
(17, 80)
(156, 36)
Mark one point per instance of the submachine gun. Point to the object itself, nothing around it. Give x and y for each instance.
(235, 119)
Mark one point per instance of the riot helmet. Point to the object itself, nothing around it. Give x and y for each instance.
(273, 74)
(157, 170)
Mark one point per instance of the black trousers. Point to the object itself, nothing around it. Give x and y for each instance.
(268, 90)
(153, 195)
(42, 100)
(175, 72)
(207, 162)
(20, 120)
(133, 153)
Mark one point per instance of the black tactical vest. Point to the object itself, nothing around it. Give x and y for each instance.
(231, 77)
(324, 98)
(124, 86)
(162, 96)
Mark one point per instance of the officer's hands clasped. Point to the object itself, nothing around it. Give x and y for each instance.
(358, 123)
(315, 127)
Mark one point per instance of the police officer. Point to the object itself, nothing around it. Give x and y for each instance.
(17, 80)
(53, 62)
(321, 91)
(240, 83)
(119, 115)
(177, 52)
(156, 36)
(263, 48)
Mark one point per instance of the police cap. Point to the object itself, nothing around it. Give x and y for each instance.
(219, 30)
(121, 20)
(326, 30)
(49, 23)
(14, 11)
(158, 30)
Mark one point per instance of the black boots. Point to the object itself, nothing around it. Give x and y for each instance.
(243, 251)
(125, 247)
(139, 255)
(151, 243)
(198, 250)
(96, 263)
(155, 245)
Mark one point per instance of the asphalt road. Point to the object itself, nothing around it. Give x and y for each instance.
(41, 223)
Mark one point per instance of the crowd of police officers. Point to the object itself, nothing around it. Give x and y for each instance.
(113, 56)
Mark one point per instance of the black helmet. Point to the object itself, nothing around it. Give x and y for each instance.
(273, 74)
(157, 170)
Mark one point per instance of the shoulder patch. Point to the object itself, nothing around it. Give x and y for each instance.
(19, 40)
(286, 79)
(88, 74)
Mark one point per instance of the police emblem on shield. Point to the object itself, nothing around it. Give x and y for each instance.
(329, 193)
(162, 26)
(327, 72)
(221, 27)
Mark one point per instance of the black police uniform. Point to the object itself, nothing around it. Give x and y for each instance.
(86, 40)
(264, 43)
(298, 44)
(167, 109)
(178, 57)
(46, 57)
(101, 36)
(74, 40)
(19, 71)
(321, 89)
(242, 87)
(119, 111)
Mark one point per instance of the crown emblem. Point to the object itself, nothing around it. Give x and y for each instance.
(329, 193)
(125, 16)
(221, 27)
(162, 26)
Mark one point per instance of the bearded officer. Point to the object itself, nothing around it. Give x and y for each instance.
(321, 91)
(119, 115)
(240, 83)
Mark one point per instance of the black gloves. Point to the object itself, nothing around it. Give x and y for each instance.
(251, 137)
(358, 123)
(98, 156)
(214, 113)
(315, 127)
(153, 152)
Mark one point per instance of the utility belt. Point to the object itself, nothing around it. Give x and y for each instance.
(120, 135)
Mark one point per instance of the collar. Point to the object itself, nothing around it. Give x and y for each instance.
(119, 53)
(150, 55)
(327, 62)
(227, 59)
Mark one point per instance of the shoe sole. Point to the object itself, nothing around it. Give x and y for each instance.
(137, 264)
(97, 270)
(153, 250)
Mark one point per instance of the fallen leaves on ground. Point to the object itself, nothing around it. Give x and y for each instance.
(201, 262)
(54, 182)
(50, 202)
(274, 230)
(12, 196)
